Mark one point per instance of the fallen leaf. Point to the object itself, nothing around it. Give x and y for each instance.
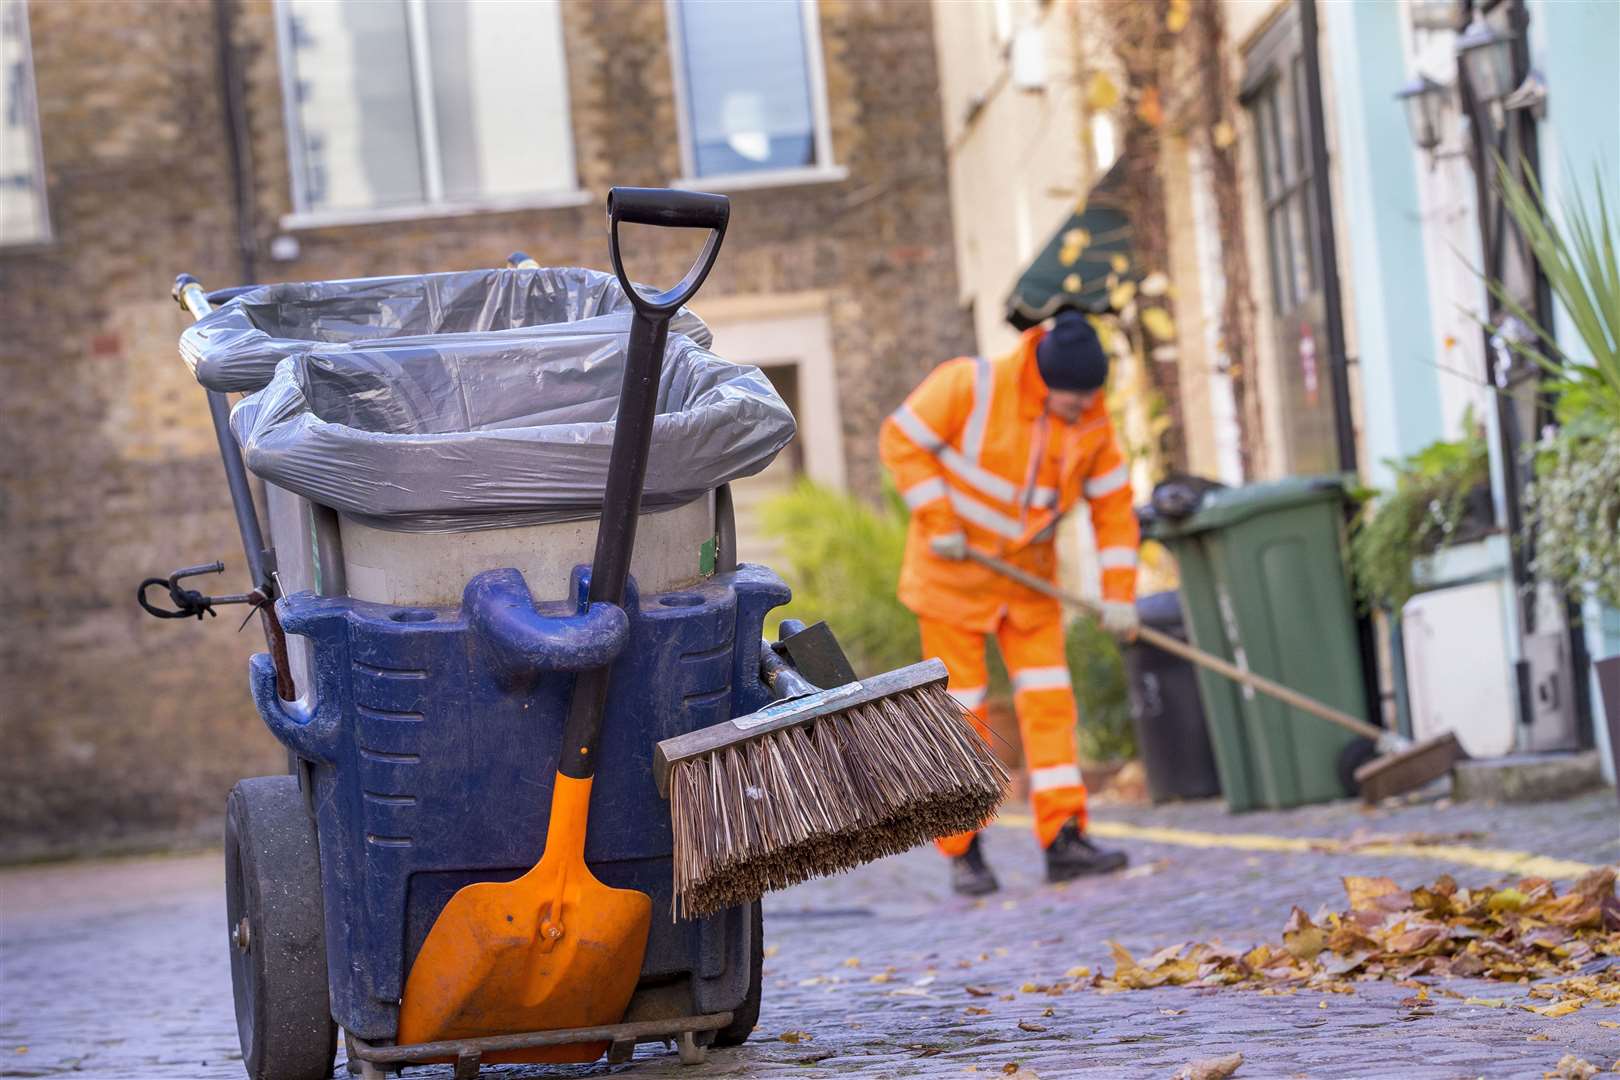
(1172, 1012)
(1081, 972)
(1029, 988)
(1540, 1036)
(1489, 1003)
(976, 1010)
(1609, 1023)
(880, 977)
(978, 991)
(796, 1036)
(1562, 1008)
(1027, 1025)
(1209, 1068)
(853, 962)
(1570, 1067)
(1049, 1011)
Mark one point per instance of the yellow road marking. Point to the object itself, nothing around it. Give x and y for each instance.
(1522, 863)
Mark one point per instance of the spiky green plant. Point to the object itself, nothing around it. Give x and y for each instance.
(1578, 255)
(1573, 505)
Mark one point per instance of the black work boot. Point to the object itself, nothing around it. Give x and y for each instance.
(1073, 855)
(970, 874)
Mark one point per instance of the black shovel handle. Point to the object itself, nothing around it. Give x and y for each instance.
(633, 427)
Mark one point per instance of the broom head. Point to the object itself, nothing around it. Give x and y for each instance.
(821, 783)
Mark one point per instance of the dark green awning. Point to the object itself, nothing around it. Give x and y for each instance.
(1085, 259)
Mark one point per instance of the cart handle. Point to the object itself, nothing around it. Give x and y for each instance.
(671, 209)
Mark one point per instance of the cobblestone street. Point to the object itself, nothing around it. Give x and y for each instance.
(117, 969)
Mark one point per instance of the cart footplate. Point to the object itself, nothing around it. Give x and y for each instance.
(376, 1061)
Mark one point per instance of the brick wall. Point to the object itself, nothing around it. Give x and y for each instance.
(119, 728)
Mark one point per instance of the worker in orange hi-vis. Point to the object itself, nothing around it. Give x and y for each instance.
(989, 454)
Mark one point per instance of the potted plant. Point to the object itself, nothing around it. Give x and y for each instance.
(1572, 507)
(1442, 496)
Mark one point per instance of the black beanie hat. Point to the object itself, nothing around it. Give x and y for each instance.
(1070, 356)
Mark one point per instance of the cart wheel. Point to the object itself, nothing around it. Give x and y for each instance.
(277, 932)
(1356, 753)
(746, 1015)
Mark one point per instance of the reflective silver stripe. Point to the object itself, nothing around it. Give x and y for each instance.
(976, 477)
(973, 434)
(970, 474)
(924, 492)
(917, 431)
(1117, 558)
(1040, 678)
(1044, 498)
(1109, 482)
(1054, 776)
(971, 698)
(972, 510)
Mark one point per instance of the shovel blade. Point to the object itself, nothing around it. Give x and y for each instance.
(554, 949)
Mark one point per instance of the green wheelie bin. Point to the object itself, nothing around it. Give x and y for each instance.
(1264, 584)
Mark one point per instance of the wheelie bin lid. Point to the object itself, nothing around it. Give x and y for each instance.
(1225, 507)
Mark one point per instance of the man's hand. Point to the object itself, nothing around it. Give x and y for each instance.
(1120, 620)
(949, 546)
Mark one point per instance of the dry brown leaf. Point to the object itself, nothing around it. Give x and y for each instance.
(1570, 1067)
(976, 1010)
(1027, 1025)
(978, 991)
(1081, 972)
(1209, 1068)
(796, 1036)
(1049, 1011)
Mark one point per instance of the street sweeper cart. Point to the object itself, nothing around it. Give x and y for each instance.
(542, 764)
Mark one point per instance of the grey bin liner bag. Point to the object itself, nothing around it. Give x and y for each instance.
(236, 347)
(491, 431)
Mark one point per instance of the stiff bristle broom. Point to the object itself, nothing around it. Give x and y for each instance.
(820, 781)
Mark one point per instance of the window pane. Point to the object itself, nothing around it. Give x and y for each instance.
(747, 85)
(22, 178)
(500, 97)
(352, 95)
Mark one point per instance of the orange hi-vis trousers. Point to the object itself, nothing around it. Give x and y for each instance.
(1044, 700)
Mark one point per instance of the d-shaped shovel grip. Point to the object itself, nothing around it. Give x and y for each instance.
(673, 210)
(633, 427)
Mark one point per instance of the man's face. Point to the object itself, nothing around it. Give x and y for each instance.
(1069, 405)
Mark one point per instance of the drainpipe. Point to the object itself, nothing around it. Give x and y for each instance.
(1338, 361)
(233, 110)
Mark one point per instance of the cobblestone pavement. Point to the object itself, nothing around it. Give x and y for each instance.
(116, 969)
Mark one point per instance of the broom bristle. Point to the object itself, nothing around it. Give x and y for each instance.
(844, 789)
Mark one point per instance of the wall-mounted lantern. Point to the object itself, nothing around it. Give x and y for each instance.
(1424, 100)
(1487, 59)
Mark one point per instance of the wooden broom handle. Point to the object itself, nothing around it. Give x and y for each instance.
(1160, 640)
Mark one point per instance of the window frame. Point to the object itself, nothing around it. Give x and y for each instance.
(434, 205)
(825, 169)
(48, 236)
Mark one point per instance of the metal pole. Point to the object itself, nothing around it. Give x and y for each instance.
(1322, 192)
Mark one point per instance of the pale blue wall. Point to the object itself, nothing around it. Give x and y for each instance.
(1378, 203)
(1575, 44)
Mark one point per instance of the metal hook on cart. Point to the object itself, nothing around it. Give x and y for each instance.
(189, 603)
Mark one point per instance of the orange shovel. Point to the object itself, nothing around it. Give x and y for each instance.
(556, 948)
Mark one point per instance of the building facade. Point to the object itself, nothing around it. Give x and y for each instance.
(1324, 269)
(266, 140)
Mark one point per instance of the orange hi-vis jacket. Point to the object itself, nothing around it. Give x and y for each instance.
(974, 450)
